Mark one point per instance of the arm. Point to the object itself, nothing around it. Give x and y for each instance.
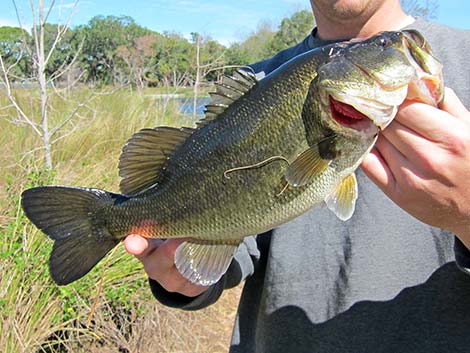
(170, 288)
(422, 162)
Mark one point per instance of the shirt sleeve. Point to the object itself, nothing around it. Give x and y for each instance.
(462, 256)
(243, 265)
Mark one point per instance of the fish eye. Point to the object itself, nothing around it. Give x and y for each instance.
(384, 42)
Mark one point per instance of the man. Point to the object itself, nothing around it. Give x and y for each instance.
(384, 281)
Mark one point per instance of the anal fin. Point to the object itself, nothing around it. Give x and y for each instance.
(204, 263)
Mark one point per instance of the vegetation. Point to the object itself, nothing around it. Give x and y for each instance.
(116, 50)
(97, 85)
(110, 309)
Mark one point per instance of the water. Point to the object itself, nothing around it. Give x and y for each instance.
(186, 105)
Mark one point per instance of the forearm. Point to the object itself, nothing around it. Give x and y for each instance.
(463, 233)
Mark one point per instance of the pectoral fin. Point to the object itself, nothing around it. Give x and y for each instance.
(312, 162)
(204, 264)
(342, 201)
(307, 165)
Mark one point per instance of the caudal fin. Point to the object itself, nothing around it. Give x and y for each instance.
(69, 216)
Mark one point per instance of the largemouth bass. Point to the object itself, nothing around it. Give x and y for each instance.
(266, 151)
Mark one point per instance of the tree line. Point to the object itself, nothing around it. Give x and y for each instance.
(112, 50)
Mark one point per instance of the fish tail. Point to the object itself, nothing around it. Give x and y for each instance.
(71, 217)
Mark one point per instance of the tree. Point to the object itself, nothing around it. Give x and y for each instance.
(138, 56)
(173, 62)
(63, 52)
(266, 42)
(13, 49)
(254, 48)
(102, 37)
(208, 59)
(292, 30)
(43, 49)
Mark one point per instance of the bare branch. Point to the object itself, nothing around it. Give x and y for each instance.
(65, 68)
(71, 115)
(35, 32)
(61, 30)
(6, 107)
(51, 6)
(75, 128)
(6, 82)
(71, 84)
(26, 154)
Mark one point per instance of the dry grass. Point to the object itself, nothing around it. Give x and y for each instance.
(111, 309)
(161, 329)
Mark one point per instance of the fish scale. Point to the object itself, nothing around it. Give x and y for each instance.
(266, 152)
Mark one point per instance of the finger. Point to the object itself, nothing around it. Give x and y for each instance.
(453, 105)
(425, 120)
(159, 262)
(375, 167)
(173, 281)
(409, 143)
(396, 162)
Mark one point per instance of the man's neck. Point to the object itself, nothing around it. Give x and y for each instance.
(387, 18)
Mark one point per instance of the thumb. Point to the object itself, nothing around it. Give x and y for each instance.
(453, 105)
(139, 246)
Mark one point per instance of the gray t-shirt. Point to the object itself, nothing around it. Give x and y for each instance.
(380, 282)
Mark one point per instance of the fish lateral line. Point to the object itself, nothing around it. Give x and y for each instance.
(256, 165)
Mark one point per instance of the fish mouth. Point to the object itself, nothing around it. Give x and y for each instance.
(346, 115)
(362, 114)
(370, 115)
(428, 86)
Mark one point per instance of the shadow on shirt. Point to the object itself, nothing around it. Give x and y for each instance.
(429, 318)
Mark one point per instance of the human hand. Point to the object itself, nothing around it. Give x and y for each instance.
(422, 162)
(157, 256)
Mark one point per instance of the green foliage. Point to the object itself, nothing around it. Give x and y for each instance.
(14, 50)
(266, 42)
(173, 59)
(291, 31)
(102, 36)
(254, 48)
(116, 50)
(64, 50)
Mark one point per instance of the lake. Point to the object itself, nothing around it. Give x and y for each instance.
(186, 105)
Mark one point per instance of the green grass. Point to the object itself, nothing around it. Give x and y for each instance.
(111, 309)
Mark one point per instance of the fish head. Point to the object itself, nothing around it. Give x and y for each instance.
(362, 85)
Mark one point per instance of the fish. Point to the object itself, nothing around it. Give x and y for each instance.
(267, 150)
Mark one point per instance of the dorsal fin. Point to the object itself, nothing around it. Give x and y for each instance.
(145, 155)
(228, 90)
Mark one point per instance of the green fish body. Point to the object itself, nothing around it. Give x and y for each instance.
(266, 152)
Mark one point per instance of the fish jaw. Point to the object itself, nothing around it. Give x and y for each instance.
(353, 115)
(374, 115)
(348, 116)
(428, 85)
(349, 111)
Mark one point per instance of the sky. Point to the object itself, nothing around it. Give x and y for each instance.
(225, 21)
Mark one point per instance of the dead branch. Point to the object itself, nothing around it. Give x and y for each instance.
(11, 98)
